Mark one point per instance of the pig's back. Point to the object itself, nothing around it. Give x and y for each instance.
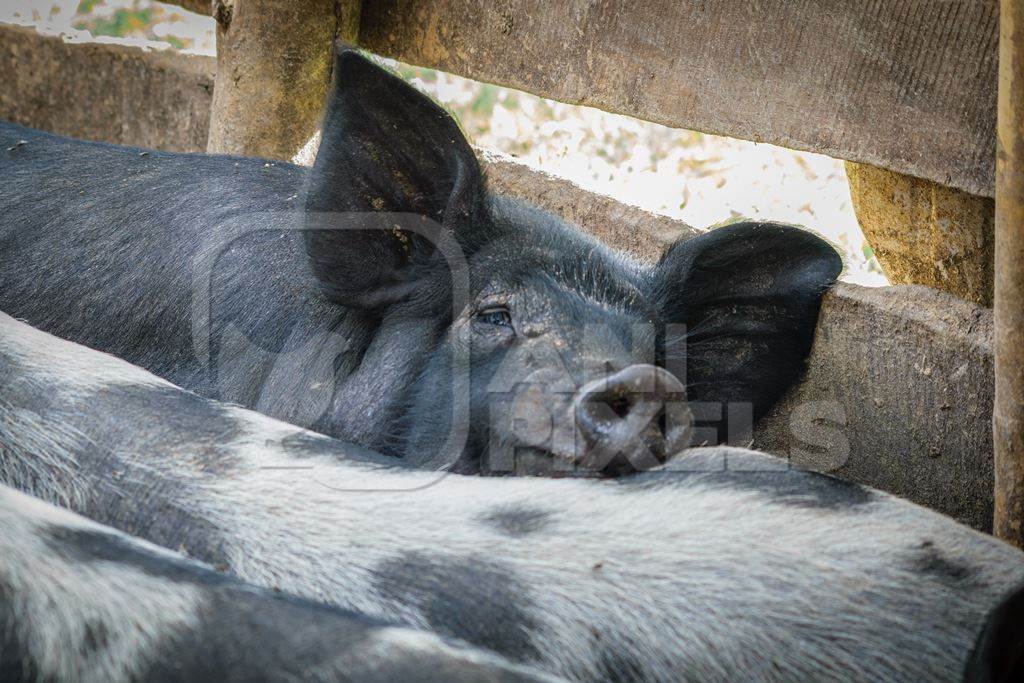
(101, 244)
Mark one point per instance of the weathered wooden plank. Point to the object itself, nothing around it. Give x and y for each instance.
(279, 57)
(1008, 418)
(907, 370)
(908, 85)
(105, 92)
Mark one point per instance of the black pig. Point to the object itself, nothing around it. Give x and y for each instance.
(386, 297)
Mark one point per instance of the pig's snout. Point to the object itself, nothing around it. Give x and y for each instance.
(632, 420)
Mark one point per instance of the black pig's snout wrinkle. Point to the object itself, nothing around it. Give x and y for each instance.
(631, 420)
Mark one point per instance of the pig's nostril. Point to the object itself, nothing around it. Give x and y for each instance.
(636, 388)
(661, 419)
(628, 421)
(619, 404)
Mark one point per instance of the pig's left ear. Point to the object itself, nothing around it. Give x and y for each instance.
(393, 171)
(748, 295)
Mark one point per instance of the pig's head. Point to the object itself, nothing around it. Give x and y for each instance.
(508, 341)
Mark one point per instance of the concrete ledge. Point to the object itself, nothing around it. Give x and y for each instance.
(630, 228)
(898, 392)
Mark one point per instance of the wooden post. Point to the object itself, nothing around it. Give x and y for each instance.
(1008, 415)
(273, 69)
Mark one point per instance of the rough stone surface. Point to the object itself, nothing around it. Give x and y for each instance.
(105, 92)
(908, 85)
(924, 233)
(905, 372)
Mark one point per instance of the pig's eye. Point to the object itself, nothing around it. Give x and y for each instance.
(497, 316)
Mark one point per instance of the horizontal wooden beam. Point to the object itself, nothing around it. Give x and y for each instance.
(902, 375)
(909, 86)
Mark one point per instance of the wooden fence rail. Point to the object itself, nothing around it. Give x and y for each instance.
(105, 92)
(909, 85)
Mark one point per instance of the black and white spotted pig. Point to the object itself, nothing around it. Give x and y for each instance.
(733, 570)
(84, 602)
(218, 274)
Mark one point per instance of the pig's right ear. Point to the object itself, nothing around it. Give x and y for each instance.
(748, 295)
(393, 172)
(998, 655)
